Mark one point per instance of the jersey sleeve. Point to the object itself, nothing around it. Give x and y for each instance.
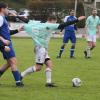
(53, 26)
(87, 21)
(65, 19)
(1, 21)
(28, 29)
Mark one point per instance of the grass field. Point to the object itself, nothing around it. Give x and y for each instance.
(64, 70)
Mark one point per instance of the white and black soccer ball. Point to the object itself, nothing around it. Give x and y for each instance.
(76, 82)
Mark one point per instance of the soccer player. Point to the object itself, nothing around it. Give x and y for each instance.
(41, 33)
(10, 56)
(92, 23)
(69, 34)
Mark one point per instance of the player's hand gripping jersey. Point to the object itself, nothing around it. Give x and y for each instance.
(91, 24)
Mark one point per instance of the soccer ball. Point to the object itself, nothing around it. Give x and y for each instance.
(76, 82)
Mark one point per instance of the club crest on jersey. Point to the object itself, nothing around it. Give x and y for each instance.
(47, 28)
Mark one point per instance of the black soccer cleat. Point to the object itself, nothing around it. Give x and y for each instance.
(58, 57)
(21, 78)
(19, 84)
(50, 85)
(88, 57)
(85, 53)
(74, 85)
(72, 57)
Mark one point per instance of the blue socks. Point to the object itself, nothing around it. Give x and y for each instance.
(72, 51)
(17, 77)
(61, 50)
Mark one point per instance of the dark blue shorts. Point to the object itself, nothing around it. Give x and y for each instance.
(69, 36)
(10, 54)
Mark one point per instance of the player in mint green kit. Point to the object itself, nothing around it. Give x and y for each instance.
(92, 24)
(41, 34)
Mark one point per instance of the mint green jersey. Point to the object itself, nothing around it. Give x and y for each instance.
(40, 32)
(91, 24)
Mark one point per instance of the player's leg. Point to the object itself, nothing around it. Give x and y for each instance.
(48, 72)
(31, 69)
(93, 46)
(93, 43)
(65, 41)
(40, 58)
(3, 69)
(13, 64)
(87, 52)
(61, 50)
(72, 49)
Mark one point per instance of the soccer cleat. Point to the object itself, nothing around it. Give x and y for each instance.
(50, 85)
(58, 57)
(85, 53)
(20, 84)
(21, 78)
(88, 57)
(72, 57)
(74, 85)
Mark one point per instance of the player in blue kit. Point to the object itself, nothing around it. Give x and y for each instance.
(69, 34)
(10, 56)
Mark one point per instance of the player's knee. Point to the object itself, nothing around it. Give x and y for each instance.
(12, 62)
(48, 69)
(63, 46)
(38, 67)
(73, 46)
(94, 45)
(49, 64)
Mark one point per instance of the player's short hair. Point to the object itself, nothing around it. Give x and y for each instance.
(52, 17)
(94, 9)
(3, 5)
(72, 10)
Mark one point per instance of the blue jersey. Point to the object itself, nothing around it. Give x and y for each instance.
(4, 29)
(71, 27)
(5, 33)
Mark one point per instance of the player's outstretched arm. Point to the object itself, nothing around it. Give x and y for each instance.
(12, 32)
(61, 26)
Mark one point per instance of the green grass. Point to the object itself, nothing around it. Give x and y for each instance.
(64, 70)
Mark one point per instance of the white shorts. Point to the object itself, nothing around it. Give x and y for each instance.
(91, 38)
(41, 54)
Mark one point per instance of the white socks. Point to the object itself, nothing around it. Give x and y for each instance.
(33, 69)
(28, 71)
(88, 52)
(48, 75)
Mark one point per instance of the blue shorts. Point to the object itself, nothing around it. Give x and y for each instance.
(69, 36)
(10, 54)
